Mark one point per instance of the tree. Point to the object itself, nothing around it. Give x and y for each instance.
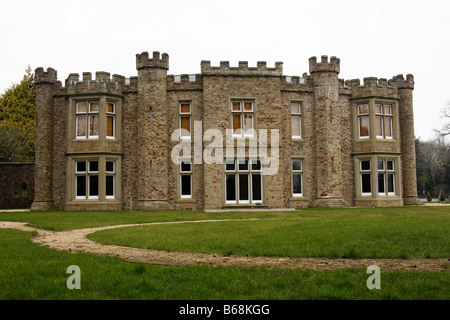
(445, 131)
(17, 120)
(433, 158)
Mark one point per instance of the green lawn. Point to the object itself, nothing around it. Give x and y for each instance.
(351, 233)
(28, 271)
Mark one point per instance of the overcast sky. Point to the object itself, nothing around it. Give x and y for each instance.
(372, 38)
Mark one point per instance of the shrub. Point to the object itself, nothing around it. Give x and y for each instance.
(441, 196)
(428, 196)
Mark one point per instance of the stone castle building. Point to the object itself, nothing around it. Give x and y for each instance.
(107, 143)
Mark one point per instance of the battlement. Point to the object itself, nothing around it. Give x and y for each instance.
(103, 83)
(243, 69)
(144, 61)
(185, 82)
(49, 76)
(403, 83)
(324, 65)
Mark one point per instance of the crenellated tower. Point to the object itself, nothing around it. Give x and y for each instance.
(46, 82)
(153, 136)
(328, 157)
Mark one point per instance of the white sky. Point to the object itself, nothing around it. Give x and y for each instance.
(372, 38)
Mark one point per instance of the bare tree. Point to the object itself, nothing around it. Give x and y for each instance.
(445, 130)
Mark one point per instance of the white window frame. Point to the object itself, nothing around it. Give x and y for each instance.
(361, 116)
(296, 115)
(296, 172)
(249, 172)
(185, 115)
(242, 113)
(110, 174)
(363, 172)
(113, 116)
(185, 173)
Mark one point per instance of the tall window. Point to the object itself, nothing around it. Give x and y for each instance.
(110, 179)
(363, 121)
(242, 118)
(243, 181)
(383, 120)
(297, 175)
(87, 119)
(110, 120)
(186, 179)
(86, 179)
(366, 179)
(296, 120)
(185, 120)
(386, 177)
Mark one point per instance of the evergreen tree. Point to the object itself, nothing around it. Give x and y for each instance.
(17, 120)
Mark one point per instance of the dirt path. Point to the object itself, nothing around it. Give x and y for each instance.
(76, 241)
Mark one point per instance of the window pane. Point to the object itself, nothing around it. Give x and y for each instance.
(186, 125)
(236, 106)
(296, 126)
(230, 187)
(93, 186)
(387, 109)
(388, 126)
(380, 165)
(381, 189)
(296, 183)
(94, 107)
(109, 186)
(81, 186)
(186, 185)
(248, 123)
(248, 106)
(364, 126)
(81, 166)
(243, 165)
(236, 124)
(230, 165)
(110, 126)
(363, 109)
(366, 186)
(365, 165)
(379, 109)
(295, 108)
(390, 181)
(379, 126)
(185, 166)
(81, 107)
(296, 165)
(93, 125)
(256, 187)
(390, 165)
(243, 187)
(110, 107)
(93, 166)
(81, 126)
(185, 108)
(109, 166)
(256, 165)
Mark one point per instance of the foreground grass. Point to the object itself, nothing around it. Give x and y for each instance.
(346, 233)
(35, 272)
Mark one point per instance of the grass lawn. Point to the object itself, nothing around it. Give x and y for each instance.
(28, 271)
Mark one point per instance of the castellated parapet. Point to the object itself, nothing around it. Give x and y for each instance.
(328, 128)
(333, 65)
(144, 61)
(243, 69)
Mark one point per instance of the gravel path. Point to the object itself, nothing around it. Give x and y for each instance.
(76, 241)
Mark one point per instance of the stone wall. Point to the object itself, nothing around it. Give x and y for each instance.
(16, 185)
